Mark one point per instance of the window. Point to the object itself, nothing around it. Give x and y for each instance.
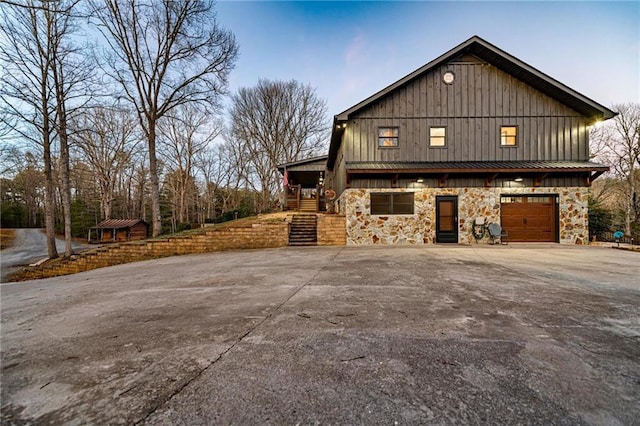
(387, 137)
(392, 203)
(437, 136)
(508, 135)
(510, 199)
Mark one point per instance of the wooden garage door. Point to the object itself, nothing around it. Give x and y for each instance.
(529, 218)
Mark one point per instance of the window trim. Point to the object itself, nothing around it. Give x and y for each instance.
(444, 145)
(391, 203)
(515, 138)
(397, 137)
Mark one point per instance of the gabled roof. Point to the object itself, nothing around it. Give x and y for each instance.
(118, 223)
(320, 162)
(495, 56)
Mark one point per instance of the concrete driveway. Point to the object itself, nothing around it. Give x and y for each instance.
(534, 334)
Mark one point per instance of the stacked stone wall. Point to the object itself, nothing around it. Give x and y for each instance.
(364, 228)
(332, 230)
(258, 235)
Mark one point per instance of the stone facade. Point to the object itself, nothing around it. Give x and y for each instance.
(419, 228)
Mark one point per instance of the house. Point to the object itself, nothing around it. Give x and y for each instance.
(303, 184)
(476, 136)
(119, 230)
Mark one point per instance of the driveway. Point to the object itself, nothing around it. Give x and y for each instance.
(29, 246)
(534, 334)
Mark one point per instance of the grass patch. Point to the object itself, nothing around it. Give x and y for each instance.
(6, 238)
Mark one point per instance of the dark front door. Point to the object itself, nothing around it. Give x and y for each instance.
(446, 219)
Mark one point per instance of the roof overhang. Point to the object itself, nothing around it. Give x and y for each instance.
(309, 164)
(118, 223)
(475, 167)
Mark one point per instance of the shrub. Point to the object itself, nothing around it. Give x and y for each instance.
(600, 219)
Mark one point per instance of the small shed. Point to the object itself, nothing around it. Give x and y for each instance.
(118, 230)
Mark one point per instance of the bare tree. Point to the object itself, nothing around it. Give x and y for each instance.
(274, 123)
(70, 71)
(26, 92)
(215, 167)
(106, 140)
(37, 49)
(184, 135)
(617, 144)
(164, 54)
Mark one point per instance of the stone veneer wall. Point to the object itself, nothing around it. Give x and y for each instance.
(419, 228)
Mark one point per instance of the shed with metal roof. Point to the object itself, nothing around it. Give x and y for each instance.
(118, 230)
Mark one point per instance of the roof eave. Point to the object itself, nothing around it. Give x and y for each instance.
(281, 167)
(336, 138)
(473, 170)
(481, 47)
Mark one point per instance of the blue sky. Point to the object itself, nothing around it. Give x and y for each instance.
(350, 50)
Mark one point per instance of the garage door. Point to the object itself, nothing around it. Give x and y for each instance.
(530, 218)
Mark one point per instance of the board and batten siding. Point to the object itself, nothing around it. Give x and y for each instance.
(481, 99)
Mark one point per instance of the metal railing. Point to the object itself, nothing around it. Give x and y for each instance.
(607, 236)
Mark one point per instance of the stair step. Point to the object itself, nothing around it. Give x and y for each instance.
(304, 228)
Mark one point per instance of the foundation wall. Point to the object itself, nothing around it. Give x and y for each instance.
(364, 228)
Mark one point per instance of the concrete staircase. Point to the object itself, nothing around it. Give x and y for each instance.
(303, 230)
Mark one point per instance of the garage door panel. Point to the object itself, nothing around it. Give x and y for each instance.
(529, 218)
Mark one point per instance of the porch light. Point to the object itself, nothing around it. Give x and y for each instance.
(420, 180)
(518, 179)
(596, 123)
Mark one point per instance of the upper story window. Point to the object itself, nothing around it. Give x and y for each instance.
(508, 135)
(387, 137)
(391, 203)
(437, 136)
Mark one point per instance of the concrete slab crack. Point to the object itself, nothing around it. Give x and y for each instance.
(235, 343)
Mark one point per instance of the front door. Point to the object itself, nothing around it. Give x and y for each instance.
(447, 219)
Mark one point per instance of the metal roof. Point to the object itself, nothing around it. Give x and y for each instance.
(474, 166)
(321, 160)
(500, 59)
(118, 223)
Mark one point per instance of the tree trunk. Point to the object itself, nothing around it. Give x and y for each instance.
(49, 195)
(64, 167)
(49, 187)
(154, 180)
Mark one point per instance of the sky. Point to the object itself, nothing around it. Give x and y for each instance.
(350, 50)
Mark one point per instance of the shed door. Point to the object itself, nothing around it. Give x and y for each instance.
(530, 218)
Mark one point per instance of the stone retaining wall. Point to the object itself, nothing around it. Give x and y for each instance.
(331, 230)
(364, 228)
(255, 236)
